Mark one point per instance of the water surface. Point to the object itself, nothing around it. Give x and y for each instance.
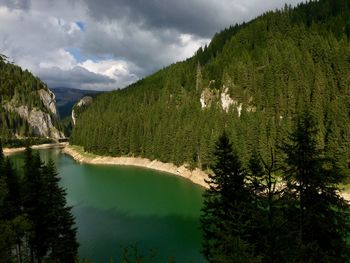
(117, 206)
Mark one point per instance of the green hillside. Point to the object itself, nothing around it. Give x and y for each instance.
(252, 81)
(27, 106)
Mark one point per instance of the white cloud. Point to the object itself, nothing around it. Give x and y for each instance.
(117, 70)
(58, 58)
(189, 44)
(32, 38)
(109, 68)
(116, 41)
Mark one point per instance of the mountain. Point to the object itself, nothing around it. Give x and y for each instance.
(80, 107)
(253, 80)
(67, 97)
(27, 106)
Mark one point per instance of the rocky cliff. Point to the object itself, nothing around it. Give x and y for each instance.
(27, 106)
(42, 120)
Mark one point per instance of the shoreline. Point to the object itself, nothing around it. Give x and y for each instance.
(9, 151)
(196, 176)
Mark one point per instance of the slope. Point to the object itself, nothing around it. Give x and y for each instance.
(252, 81)
(27, 106)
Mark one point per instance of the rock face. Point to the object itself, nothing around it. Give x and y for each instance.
(223, 98)
(48, 98)
(226, 100)
(207, 97)
(80, 106)
(42, 122)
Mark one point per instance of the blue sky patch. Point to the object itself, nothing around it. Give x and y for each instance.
(76, 53)
(81, 25)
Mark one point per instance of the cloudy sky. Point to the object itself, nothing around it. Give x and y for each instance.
(108, 44)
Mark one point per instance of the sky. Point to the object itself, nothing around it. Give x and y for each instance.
(109, 44)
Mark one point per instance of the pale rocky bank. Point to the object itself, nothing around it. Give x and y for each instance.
(9, 151)
(196, 176)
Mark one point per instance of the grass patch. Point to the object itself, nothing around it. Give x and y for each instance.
(345, 187)
(80, 150)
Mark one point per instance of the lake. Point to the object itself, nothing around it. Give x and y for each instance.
(117, 206)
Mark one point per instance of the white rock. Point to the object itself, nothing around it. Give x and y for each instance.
(49, 100)
(41, 122)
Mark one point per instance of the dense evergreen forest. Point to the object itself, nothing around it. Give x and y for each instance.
(18, 88)
(252, 80)
(250, 215)
(36, 225)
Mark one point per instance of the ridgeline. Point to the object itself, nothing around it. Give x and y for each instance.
(253, 80)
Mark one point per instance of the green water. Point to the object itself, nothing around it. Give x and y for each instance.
(118, 206)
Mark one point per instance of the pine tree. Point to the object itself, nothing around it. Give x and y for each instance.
(61, 231)
(13, 225)
(225, 220)
(35, 205)
(269, 232)
(13, 197)
(40, 222)
(6, 236)
(322, 217)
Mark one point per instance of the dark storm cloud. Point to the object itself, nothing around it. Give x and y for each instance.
(77, 77)
(125, 39)
(16, 4)
(148, 50)
(184, 15)
(149, 33)
(199, 17)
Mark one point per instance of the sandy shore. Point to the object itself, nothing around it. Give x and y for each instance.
(9, 151)
(196, 176)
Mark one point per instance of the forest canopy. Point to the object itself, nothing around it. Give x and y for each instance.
(267, 71)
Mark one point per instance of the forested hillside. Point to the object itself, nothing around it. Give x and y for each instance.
(27, 106)
(252, 81)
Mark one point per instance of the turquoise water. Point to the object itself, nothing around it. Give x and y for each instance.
(117, 206)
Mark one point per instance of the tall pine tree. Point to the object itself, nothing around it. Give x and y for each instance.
(53, 232)
(227, 206)
(62, 231)
(322, 215)
(35, 205)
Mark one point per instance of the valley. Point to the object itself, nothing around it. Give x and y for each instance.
(133, 133)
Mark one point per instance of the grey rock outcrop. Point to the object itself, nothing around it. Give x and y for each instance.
(48, 98)
(42, 122)
(85, 101)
